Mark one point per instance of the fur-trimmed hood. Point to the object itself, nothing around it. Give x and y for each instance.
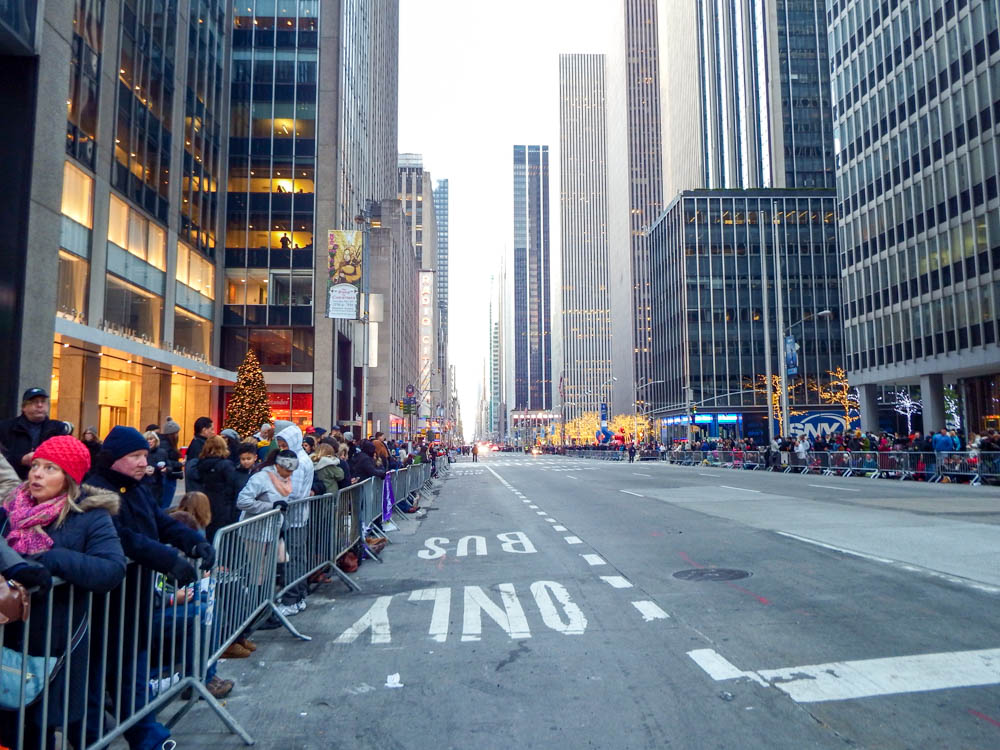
(325, 461)
(92, 497)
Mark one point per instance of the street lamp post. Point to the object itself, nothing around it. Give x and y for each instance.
(635, 416)
(364, 219)
(783, 365)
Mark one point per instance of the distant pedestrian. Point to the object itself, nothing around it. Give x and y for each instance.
(21, 435)
(475, 453)
(631, 453)
(203, 430)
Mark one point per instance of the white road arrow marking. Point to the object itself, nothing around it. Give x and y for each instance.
(846, 680)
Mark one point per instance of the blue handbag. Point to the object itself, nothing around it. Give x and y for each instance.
(31, 672)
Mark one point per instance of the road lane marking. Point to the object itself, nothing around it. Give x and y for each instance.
(703, 474)
(533, 507)
(550, 520)
(559, 528)
(650, 611)
(968, 583)
(540, 512)
(568, 476)
(848, 680)
(740, 489)
(594, 559)
(828, 487)
(641, 475)
(617, 582)
(631, 493)
(573, 540)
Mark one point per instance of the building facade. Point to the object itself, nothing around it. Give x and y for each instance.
(733, 270)
(308, 78)
(916, 108)
(594, 239)
(119, 183)
(530, 384)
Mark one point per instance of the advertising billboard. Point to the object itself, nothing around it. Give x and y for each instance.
(345, 248)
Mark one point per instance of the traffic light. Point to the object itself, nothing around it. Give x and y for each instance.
(694, 409)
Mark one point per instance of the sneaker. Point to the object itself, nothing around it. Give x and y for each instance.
(288, 610)
(301, 605)
(236, 651)
(157, 686)
(219, 688)
(247, 644)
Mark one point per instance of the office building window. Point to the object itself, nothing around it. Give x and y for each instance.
(195, 271)
(192, 332)
(78, 195)
(133, 311)
(72, 297)
(132, 231)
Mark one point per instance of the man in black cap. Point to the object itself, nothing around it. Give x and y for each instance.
(21, 435)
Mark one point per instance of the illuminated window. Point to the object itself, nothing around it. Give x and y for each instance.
(195, 271)
(133, 232)
(118, 222)
(78, 195)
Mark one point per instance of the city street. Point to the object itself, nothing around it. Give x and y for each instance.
(581, 603)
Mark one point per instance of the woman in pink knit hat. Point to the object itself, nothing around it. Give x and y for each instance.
(52, 525)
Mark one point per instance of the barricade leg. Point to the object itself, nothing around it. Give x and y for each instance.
(351, 583)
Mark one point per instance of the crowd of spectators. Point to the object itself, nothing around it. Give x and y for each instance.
(105, 515)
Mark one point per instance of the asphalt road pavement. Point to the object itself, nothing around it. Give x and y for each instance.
(548, 601)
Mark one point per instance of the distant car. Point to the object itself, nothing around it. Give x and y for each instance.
(536, 451)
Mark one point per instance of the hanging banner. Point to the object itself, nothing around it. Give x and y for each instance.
(345, 248)
(791, 356)
(388, 498)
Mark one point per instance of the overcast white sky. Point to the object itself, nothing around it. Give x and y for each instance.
(474, 79)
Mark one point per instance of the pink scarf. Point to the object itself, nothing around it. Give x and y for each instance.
(282, 485)
(27, 518)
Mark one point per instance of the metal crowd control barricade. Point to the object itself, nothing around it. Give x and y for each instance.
(308, 547)
(347, 522)
(958, 466)
(92, 664)
(751, 460)
(816, 462)
(864, 463)
(839, 462)
(243, 580)
(989, 467)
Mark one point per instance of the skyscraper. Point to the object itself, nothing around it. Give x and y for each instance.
(755, 127)
(594, 237)
(113, 173)
(916, 111)
(640, 40)
(282, 200)
(441, 220)
(531, 386)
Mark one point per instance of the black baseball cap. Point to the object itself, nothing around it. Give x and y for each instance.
(33, 393)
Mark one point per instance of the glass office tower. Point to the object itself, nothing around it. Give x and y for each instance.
(532, 360)
(270, 209)
(916, 90)
(725, 261)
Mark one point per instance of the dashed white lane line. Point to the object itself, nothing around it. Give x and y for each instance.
(828, 487)
(631, 493)
(573, 540)
(650, 611)
(569, 476)
(533, 507)
(540, 512)
(703, 474)
(636, 473)
(559, 528)
(617, 582)
(594, 559)
(739, 489)
(525, 501)
(550, 520)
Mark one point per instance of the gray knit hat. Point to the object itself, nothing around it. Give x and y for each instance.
(170, 427)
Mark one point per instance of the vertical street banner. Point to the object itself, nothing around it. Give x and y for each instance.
(604, 414)
(345, 249)
(791, 356)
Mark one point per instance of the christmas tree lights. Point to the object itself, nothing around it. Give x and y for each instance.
(249, 407)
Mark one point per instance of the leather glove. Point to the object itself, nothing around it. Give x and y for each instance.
(206, 552)
(30, 574)
(281, 505)
(183, 572)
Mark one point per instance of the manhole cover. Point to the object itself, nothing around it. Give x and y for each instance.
(711, 574)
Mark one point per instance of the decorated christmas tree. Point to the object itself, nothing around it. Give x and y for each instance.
(249, 407)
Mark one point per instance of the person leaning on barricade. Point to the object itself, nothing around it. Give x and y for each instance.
(269, 489)
(297, 520)
(53, 525)
(154, 542)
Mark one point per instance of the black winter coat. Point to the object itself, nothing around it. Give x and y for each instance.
(191, 459)
(217, 478)
(87, 553)
(363, 466)
(15, 440)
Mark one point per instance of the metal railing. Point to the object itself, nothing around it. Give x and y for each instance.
(92, 665)
(972, 467)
